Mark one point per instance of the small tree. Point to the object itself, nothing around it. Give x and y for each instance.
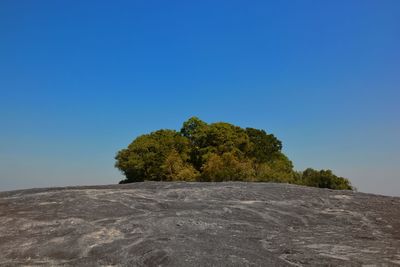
(227, 167)
(144, 157)
(325, 179)
(176, 169)
(279, 169)
(265, 147)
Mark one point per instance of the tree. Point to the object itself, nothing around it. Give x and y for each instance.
(215, 138)
(278, 169)
(226, 167)
(176, 169)
(223, 137)
(325, 179)
(143, 158)
(215, 152)
(265, 147)
(195, 130)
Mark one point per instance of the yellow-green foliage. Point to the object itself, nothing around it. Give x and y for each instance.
(324, 179)
(177, 169)
(215, 152)
(279, 169)
(227, 167)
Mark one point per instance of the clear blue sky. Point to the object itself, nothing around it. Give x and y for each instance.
(80, 80)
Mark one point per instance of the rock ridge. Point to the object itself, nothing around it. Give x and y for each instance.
(198, 224)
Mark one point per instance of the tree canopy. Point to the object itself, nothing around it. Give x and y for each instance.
(213, 153)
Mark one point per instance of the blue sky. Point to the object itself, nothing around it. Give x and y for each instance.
(80, 80)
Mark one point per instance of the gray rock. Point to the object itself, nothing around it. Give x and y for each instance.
(198, 224)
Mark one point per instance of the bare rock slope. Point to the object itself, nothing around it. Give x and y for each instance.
(198, 224)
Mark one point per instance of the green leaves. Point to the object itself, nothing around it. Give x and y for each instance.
(176, 169)
(215, 152)
(227, 167)
(324, 179)
(265, 147)
(144, 157)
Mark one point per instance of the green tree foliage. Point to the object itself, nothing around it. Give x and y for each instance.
(278, 169)
(266, 147)
(324, 179)
(195, 130)
(176, 168)
(226, 167)
(145, 156)
(215, 152)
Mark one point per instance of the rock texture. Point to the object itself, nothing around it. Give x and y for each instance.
(198, 224)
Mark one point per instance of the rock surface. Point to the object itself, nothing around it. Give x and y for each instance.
(198, 224)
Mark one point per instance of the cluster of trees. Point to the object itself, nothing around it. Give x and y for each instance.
(213, 153)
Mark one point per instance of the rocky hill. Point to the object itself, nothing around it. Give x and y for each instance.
(198, 224)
